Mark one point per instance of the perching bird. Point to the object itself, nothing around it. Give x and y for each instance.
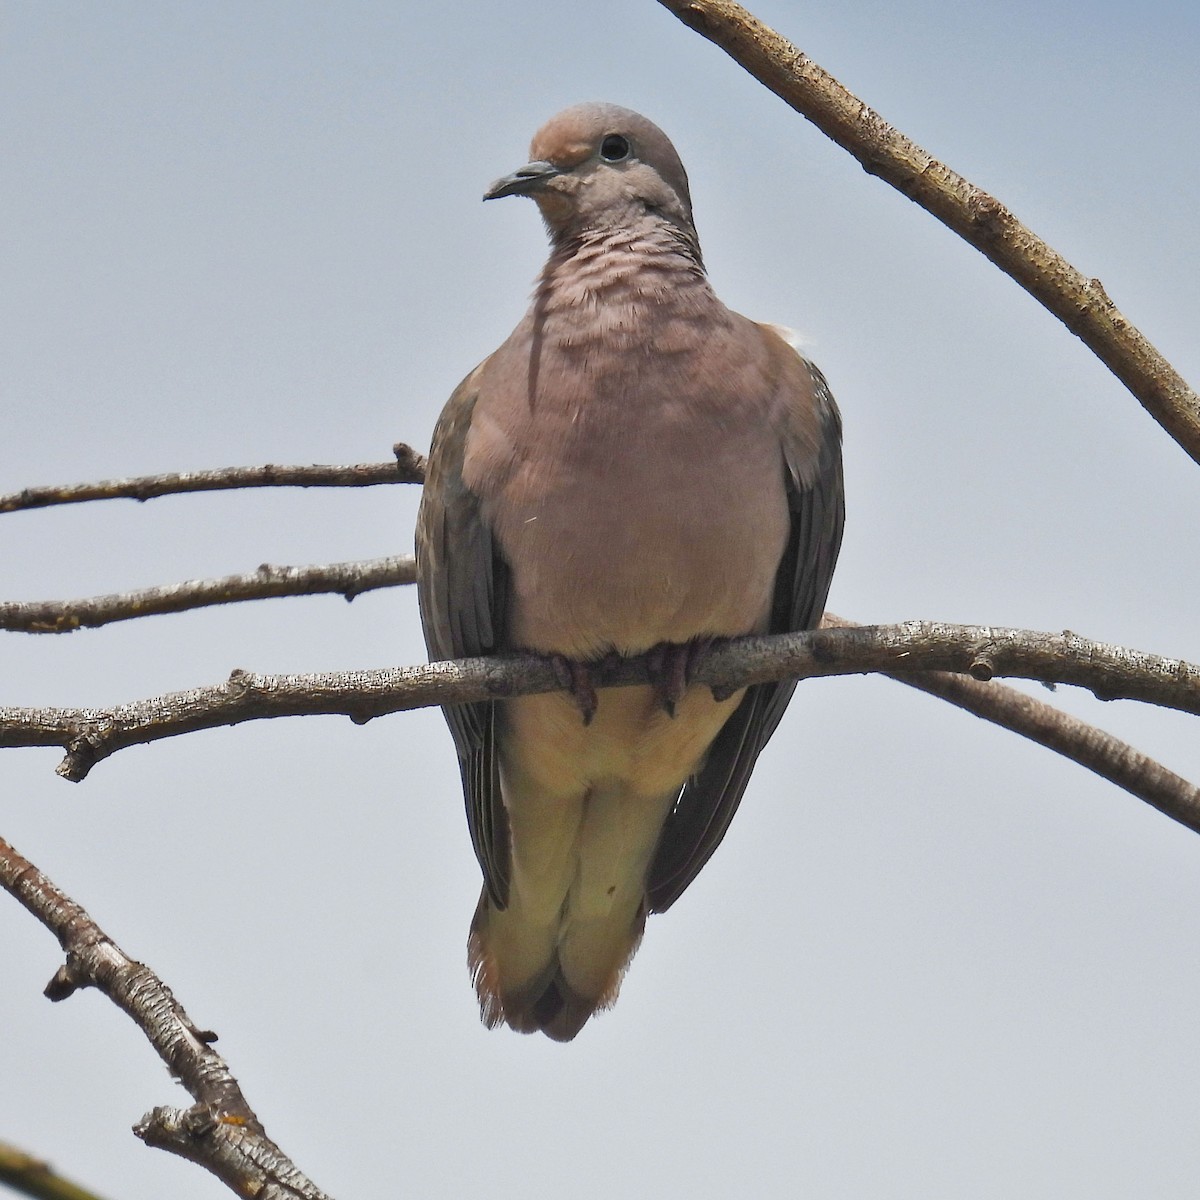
(637, 468)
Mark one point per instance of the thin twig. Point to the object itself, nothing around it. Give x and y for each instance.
(408, 467)
(1111, 672)
(34, 1177)
(348, 579)
(1098, 751)
(1080, 303)
(220, 1131)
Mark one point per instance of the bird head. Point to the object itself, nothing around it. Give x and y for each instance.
(600, 167)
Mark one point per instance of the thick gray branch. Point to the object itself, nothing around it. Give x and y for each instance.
(1108, 756)
(220, 1131)
(1092, 748)
(1111, 672)
(981, 651)
(408, 467)
(1080, 303)
(348, 579)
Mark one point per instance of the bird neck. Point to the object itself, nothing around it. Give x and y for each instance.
(648, 263)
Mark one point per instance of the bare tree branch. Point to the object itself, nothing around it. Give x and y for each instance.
(91, 734)
(220, 1131)
(1100, 752)
(1092, 748)
(1079, 302)
(1111, 672)
(409, 467)
(33, 1177)
(348, 579)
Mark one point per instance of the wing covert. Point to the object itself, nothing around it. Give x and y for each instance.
(461, 587)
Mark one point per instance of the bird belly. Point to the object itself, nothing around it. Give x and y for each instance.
(586, 803)
(631, 741)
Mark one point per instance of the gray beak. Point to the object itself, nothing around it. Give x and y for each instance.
(526, 180)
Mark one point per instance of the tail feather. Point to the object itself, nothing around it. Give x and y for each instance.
(562, 981)
(557, 951)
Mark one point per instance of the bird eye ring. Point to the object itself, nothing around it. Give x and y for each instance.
(614, 148)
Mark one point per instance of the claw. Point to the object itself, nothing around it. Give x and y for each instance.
(672, 665)
(577, 679)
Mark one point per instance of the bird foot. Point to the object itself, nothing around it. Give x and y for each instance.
(576, 677)
(672, 666)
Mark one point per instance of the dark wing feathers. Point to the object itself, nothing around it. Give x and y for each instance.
(818, 513)
(461, 586)
(710, 798)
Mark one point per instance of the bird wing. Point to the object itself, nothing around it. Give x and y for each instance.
(811, 460)
(462, 583)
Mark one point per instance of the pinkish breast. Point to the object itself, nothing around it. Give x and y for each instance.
(624, 448)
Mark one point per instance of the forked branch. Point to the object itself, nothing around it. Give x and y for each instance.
(1098, 751)
(220, 1131)
(905, 651)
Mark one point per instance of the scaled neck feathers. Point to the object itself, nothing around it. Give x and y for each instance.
(646, 262)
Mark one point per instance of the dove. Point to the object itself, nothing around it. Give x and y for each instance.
(636, 470)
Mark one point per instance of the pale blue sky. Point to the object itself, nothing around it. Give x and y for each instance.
(930, 960)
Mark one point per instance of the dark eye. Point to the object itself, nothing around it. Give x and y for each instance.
(614, 148)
